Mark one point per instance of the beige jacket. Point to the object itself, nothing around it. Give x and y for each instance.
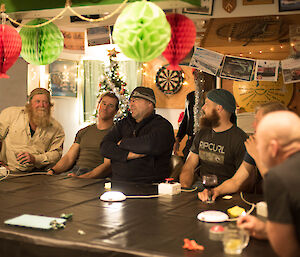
(45, 145)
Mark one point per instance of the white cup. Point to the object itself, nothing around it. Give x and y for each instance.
(235, 240)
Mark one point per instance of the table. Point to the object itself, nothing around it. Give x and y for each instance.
(135, 227)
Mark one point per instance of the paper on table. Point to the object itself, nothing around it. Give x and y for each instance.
(33, 221)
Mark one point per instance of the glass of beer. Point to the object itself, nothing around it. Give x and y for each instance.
(235, 240)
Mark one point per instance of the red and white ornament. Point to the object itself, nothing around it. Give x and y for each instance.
(10, 48)
(183, 36)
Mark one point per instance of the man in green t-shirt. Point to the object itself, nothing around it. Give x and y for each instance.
(84, 158)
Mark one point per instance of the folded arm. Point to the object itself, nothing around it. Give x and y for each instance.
(101, 171)
(54, 152)
(110, 145)
(156, 142)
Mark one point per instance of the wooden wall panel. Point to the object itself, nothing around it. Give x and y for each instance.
(272, 50)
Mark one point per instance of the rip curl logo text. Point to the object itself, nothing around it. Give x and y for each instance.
(211, 147)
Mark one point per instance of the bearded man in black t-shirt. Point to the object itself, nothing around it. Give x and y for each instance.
(218, 148)
(278, 145)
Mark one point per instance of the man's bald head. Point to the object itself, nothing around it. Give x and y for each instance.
(278, 136)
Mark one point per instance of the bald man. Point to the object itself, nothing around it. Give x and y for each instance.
(278, 146)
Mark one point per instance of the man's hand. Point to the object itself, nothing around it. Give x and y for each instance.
(250, 145)
(50, 172)
(253, 225)
(203, 196)
(176, 146)
(25, 158)
(3, 164)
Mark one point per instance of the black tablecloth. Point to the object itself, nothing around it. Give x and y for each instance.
(135, 227)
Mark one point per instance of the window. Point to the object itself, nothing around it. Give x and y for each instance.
(94, 73)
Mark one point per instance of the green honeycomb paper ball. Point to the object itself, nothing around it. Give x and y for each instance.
(142, 31)
(42, 45)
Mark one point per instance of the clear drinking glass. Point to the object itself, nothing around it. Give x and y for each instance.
(209, 182)
(235, 240)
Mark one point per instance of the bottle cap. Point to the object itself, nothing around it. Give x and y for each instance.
(169, 180)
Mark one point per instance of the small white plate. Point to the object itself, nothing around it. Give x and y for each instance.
(212, 216)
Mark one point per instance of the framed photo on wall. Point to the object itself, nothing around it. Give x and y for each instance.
(206, 60)
(63, 78)
(206, 8)
(254, 2)
(285, 5)
(237, 68)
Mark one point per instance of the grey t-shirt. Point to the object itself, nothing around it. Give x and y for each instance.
(89, 140)
(282, 192)
(220, 153)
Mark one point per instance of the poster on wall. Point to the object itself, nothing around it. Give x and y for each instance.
(256, 2)
(74, 40)
(63, 76)
(98, 36)
(237, 68)
(288, 5)
(206, 60)
(295, 40)
(291, 70)
(205, 8)
(266, 70)
(248, 95)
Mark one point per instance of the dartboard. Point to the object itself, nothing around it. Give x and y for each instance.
(169, 81)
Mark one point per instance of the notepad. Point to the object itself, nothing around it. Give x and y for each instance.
(34, 221)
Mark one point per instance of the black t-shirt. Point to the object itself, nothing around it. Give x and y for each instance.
(282, 192)
(248, 158)
(220, 153)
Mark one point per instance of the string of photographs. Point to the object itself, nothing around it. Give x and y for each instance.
(244, 69)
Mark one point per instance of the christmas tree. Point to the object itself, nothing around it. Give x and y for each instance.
(112, 82)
